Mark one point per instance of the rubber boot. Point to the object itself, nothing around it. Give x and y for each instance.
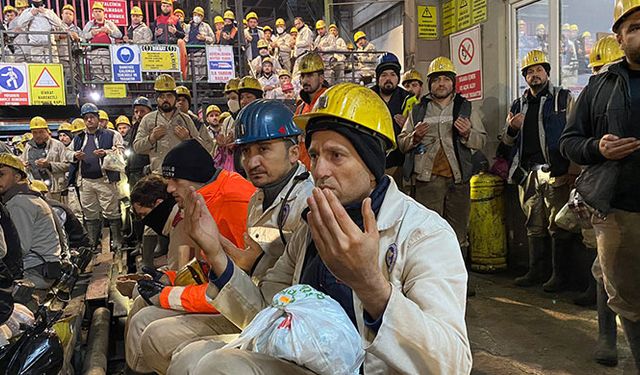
(560, 250)
(115, 227)
(632, 332)
(606, 352)
(589, 296)
(536, 263)
(94, 227)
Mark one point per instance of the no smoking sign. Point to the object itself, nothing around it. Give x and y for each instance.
(466, 51)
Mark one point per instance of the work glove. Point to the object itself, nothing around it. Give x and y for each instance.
(156, 275)
(150, 291)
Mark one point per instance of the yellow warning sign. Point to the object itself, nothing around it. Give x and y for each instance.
(449, 17)
(463, 14)
(115, 90)
(46, 84)
(479, 13)
(427, 22)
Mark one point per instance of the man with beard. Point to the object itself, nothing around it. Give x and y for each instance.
(440, 135)
(534, 125)
(603, 136)
(166, 28)
(138, 32)
(252, 35)
(100, 32)
(162, 130)
(263, 53)
(311, 68)
(387, 80)
(303, 42)
(184, 105)
(267, 79)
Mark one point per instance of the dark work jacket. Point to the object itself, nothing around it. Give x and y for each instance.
(396, 106)
(76, 234)
(461, 107)
(135, 162)
(105, 142)
(13, 259)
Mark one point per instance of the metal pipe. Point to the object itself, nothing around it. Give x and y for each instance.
(95, 362)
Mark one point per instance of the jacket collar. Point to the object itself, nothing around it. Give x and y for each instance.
(392, 208)
(260, 194)
(19, 188)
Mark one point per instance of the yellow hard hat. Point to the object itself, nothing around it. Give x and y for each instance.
(164, 83)
(123, 120)
(167, 2)
(574, 27)
(263, 44)
(136, 11)
(412, 75)
(248, 83)
(244, 22)
(441, 65)
(26, 137)
(38, 123)
(13, 162)
(218, 19)
(223, 116)
(534, 57)
(198, 10)
(97, 5)
(267, 60)
(110, 126)
(65, 126)
(333, 26)
(267, 28)
(310, 63)
(622, 9)
(605, 51)
(231, 85)
(283, 72)
(320, 24)
(293, 30)
(566, 27)
(9, 8)
(212, 108)
(540, 27)
(183, 91)
(22, 4)
(102, 115)
(358, 105)
(251, 15)
(280, 22)
(78, 125)
(586, 34)
(178, 11)
(38, 186)
(229, 15)
(358, 35)
(521, 22)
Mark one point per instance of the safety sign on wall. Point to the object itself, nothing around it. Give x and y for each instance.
(427, 22)
(160, 58)
(460, 14)
(114, 10)
(220, 64)
(14, 84)
(466, 55)
(46, 84)
(125, 63)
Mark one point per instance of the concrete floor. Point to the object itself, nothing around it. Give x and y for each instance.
(517, 331)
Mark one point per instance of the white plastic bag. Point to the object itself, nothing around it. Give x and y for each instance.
(307, 327)
(113, 161)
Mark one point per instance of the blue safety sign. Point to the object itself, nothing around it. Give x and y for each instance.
(125, 63)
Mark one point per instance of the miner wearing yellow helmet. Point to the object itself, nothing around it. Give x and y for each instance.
(46, 158)
(163, 129)
(603, 136)
(439, 137)
(64, 133)
(304, 40)
(534, 124)
(366, 62)
(282, 44)
(252, 34)
(229, 30)
(138, 32)
(349, 134)
(198, 33)
(325, 41)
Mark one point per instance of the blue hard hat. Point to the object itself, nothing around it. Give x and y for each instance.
(388, 61)
(143, 101)
(88, 108)
(265, 119)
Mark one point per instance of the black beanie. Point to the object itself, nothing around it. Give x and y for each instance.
(370, 148)
(449, 75)
(387, 66)
(189, 161)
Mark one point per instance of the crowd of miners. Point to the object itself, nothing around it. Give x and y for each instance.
(361, 193)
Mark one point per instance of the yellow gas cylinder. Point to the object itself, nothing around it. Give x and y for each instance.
(487, 233)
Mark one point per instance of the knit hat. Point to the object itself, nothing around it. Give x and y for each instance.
(189, 161)
(370, 149)
(449, 75)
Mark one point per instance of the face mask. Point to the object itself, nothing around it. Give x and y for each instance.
(197, 19)
(280, 30)
(234, 105)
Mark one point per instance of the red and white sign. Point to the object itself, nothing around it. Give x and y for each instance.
(114, 10)
(14, 84)
(466, 55)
